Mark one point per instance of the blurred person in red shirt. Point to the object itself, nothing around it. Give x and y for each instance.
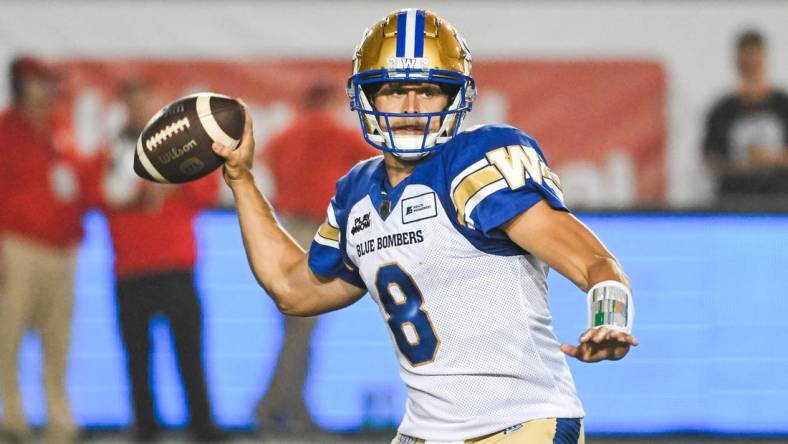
(152, 232)
(305, 161)
(46, 187)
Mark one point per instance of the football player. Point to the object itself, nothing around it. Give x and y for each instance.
(452, 233)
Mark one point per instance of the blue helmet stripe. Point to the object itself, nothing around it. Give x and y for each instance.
(401, 31)
(418, 51)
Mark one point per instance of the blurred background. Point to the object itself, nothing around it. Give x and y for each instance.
(662, 118)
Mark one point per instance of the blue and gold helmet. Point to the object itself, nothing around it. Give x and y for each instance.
(411, 45)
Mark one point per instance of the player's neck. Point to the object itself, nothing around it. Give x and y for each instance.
(397, 169)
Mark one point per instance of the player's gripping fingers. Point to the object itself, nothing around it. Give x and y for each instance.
(221, 150)
(245, 149)
(238, 162)
(247, 139)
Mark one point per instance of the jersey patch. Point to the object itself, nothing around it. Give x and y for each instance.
(418, 208)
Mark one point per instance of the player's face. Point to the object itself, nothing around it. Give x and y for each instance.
(409, 98)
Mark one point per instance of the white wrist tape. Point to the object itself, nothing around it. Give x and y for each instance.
(610, 305)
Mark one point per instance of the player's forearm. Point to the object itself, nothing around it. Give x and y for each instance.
(603, 268)
(271, 252)
(310, 295)
(279, 264)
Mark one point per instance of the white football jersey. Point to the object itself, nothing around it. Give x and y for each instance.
(466, 308)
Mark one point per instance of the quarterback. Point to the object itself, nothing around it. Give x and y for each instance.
(452, 233)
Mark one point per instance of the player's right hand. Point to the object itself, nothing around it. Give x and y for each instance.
(238, 162)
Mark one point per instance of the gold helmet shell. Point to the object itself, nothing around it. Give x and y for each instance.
(386, 46)
(412, 45)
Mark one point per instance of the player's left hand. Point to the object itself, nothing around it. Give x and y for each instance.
(598, 344)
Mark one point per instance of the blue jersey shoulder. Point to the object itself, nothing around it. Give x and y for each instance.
(354, 185)
(473, 144)
(495, 172)
(327, 255)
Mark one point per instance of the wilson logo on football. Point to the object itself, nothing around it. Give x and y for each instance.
(164, 134)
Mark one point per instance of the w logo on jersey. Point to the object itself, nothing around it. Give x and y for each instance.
(510, 166)
(517, 163)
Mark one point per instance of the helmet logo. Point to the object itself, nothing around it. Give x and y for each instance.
(420, 63)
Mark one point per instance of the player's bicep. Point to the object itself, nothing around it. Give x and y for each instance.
(559, 239)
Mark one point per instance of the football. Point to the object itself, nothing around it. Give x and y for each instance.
(175, 145)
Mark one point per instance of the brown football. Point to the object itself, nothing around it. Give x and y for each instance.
(175, 146)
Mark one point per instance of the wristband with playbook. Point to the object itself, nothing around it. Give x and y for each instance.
(610, 305)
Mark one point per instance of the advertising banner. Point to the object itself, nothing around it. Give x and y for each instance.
(601, 124)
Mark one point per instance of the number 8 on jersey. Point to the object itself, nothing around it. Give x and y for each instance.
(403, 303)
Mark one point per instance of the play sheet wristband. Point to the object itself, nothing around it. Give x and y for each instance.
(610, 305)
